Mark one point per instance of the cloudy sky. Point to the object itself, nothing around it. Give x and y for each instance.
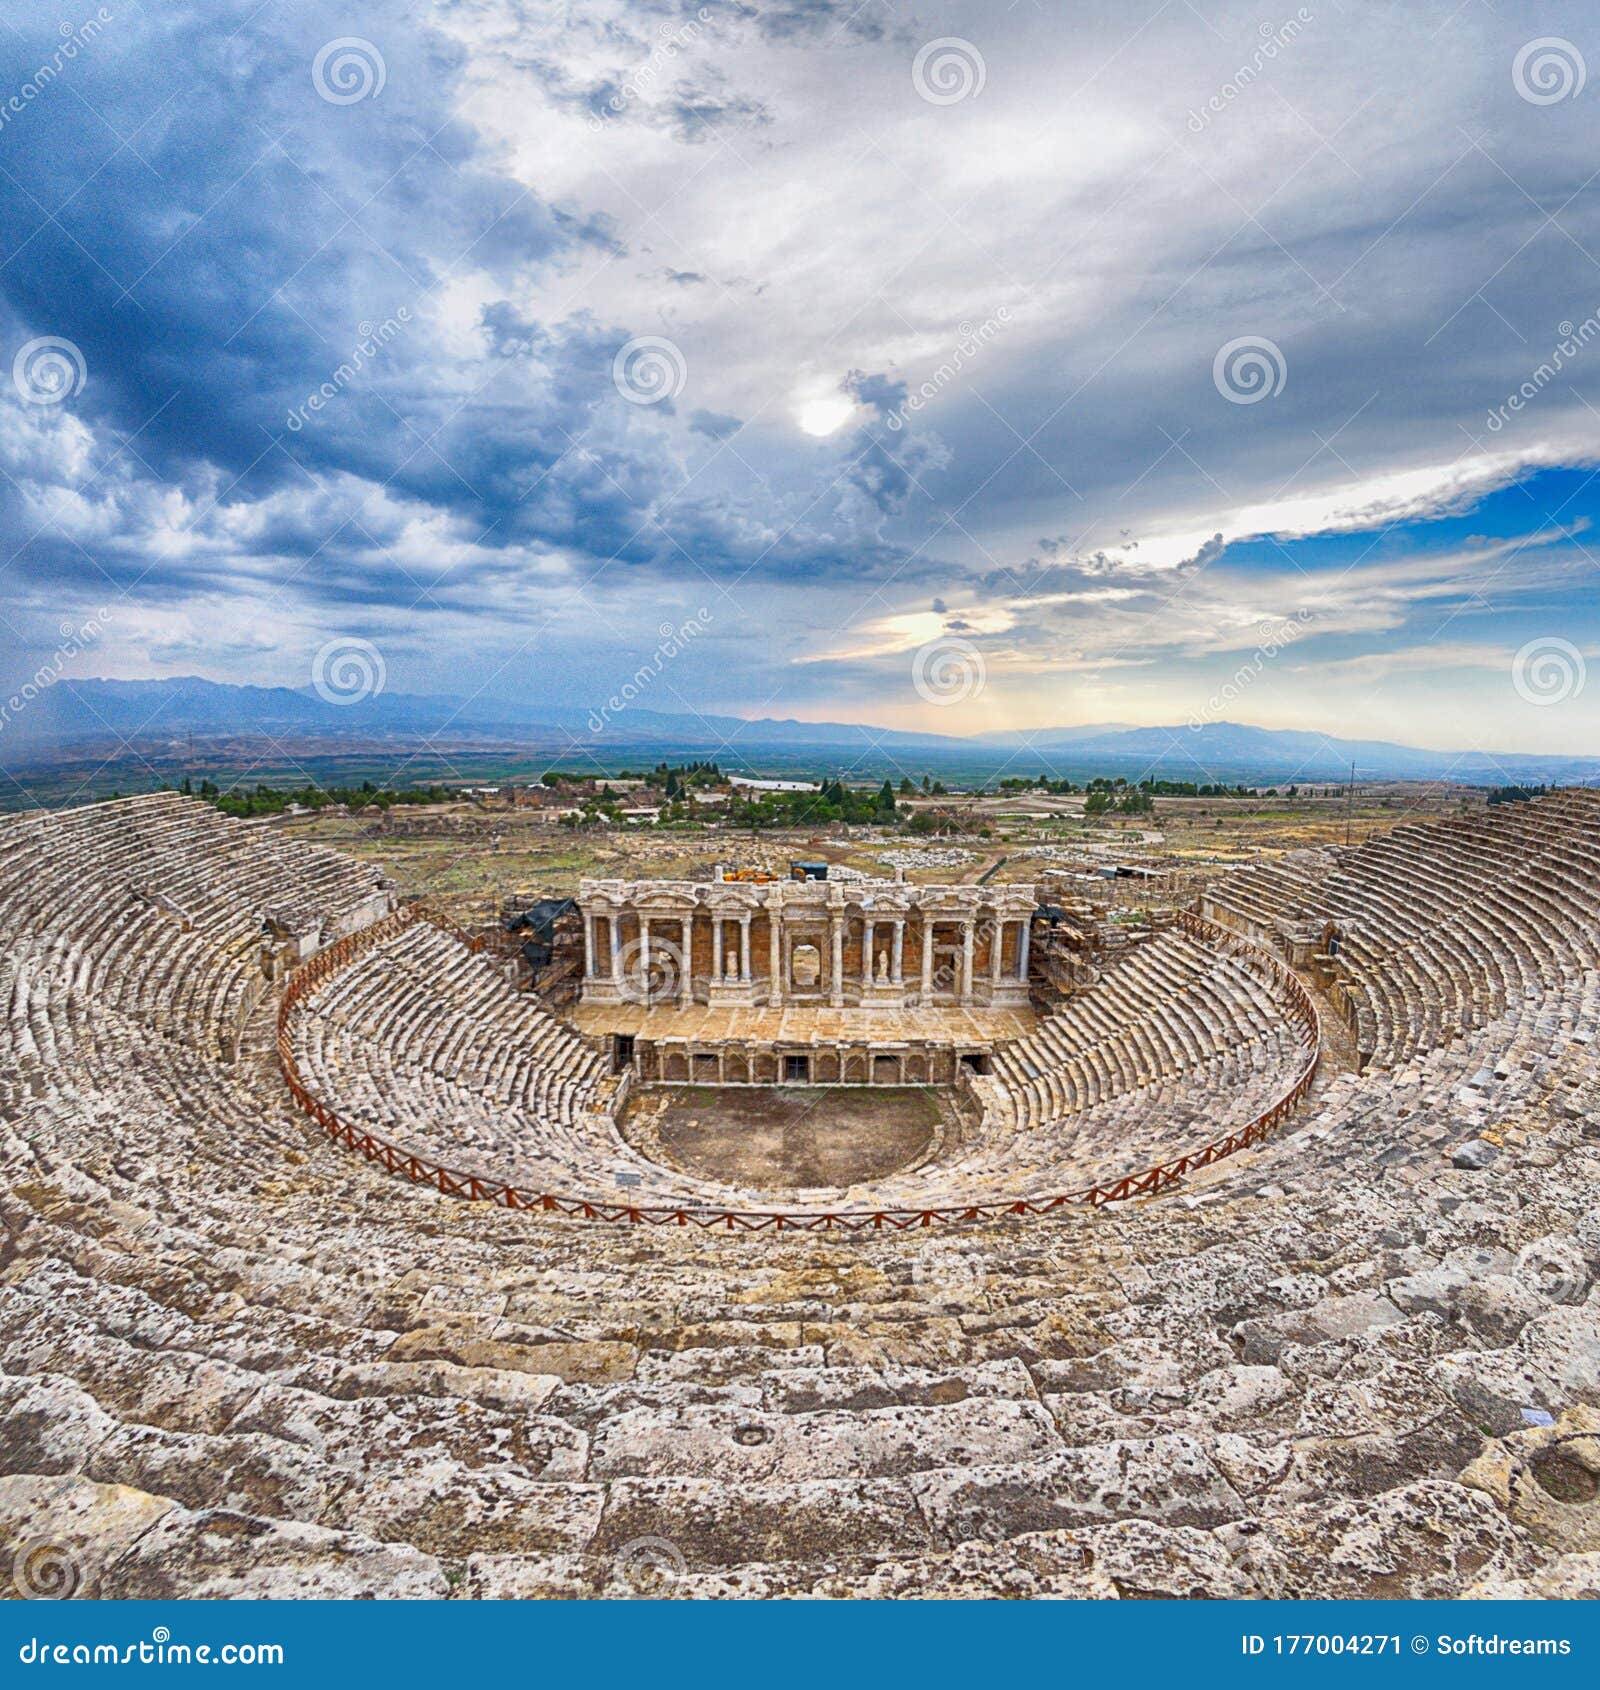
(956, 366)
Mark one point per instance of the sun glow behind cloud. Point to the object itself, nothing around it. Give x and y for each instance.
(902, 366)
(822, 417)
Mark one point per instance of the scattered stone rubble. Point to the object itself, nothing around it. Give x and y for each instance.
(926, 857)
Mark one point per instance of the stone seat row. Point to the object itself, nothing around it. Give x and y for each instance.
(1443, 924)
(299, 1420)
(236, 1359)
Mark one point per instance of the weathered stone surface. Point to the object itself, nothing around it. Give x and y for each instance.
(1554, 1269)
(215, 1554)
(1170, 1480)
(722, 1364)
(713, 1524)
(1435, 1291)
(1147, 1561)
(871, 1443)
(451, 1512)
(48, 1425)
(1432, 1539)
(1497, 1307)
(58, 1534)
(1569, 1578)
(1547, 1478)
(593, 1363)
(237, 1359)
(529, 1578)
(1046, 1565)
(509, 1389)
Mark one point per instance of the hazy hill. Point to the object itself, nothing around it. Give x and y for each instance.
(168, 711)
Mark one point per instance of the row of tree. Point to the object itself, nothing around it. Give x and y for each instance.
(1516, 794)
(1132, 802)
(264, 800)
(836, 802)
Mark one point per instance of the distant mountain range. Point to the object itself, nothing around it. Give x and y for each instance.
(77, 714)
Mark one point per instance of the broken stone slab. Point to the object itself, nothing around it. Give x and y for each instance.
(1547, 1479)
(61, 1532)
(217, 1553)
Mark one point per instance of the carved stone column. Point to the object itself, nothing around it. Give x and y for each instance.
(897, 961)
(927, 957)
(836, 935)
(716, 946)
(686, 974)
(644, 959)
(614, 928)
(588, 947)
(744, 947)
(968, 933)
(867, 971)
(997, 945)
(1022, 948)
(775, 953)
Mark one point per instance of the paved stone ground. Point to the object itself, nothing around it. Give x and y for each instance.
(784, 1138)
(804, 1023)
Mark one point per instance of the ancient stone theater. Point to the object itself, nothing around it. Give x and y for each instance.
(1244, 1245)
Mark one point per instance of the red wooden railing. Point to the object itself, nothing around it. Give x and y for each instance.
(1298, 1004)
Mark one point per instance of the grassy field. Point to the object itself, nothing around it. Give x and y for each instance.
(469, 859)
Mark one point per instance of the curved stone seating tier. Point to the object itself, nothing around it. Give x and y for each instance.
(236, 1359)
(165, 898)
(1442, 925)
(408, 1047)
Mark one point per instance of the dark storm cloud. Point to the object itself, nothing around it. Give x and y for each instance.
(226, 262)
(221, 267)
(804, 22)
(536, 187)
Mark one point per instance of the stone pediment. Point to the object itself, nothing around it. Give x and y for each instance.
(665, 903)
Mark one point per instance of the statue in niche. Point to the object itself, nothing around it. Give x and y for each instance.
(883, 968)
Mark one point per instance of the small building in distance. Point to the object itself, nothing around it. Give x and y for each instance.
(748, 783)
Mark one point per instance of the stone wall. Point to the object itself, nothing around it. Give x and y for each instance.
(858, 1062)
(834, 943)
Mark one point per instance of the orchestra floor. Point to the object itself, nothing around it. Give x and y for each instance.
(789, 1138)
